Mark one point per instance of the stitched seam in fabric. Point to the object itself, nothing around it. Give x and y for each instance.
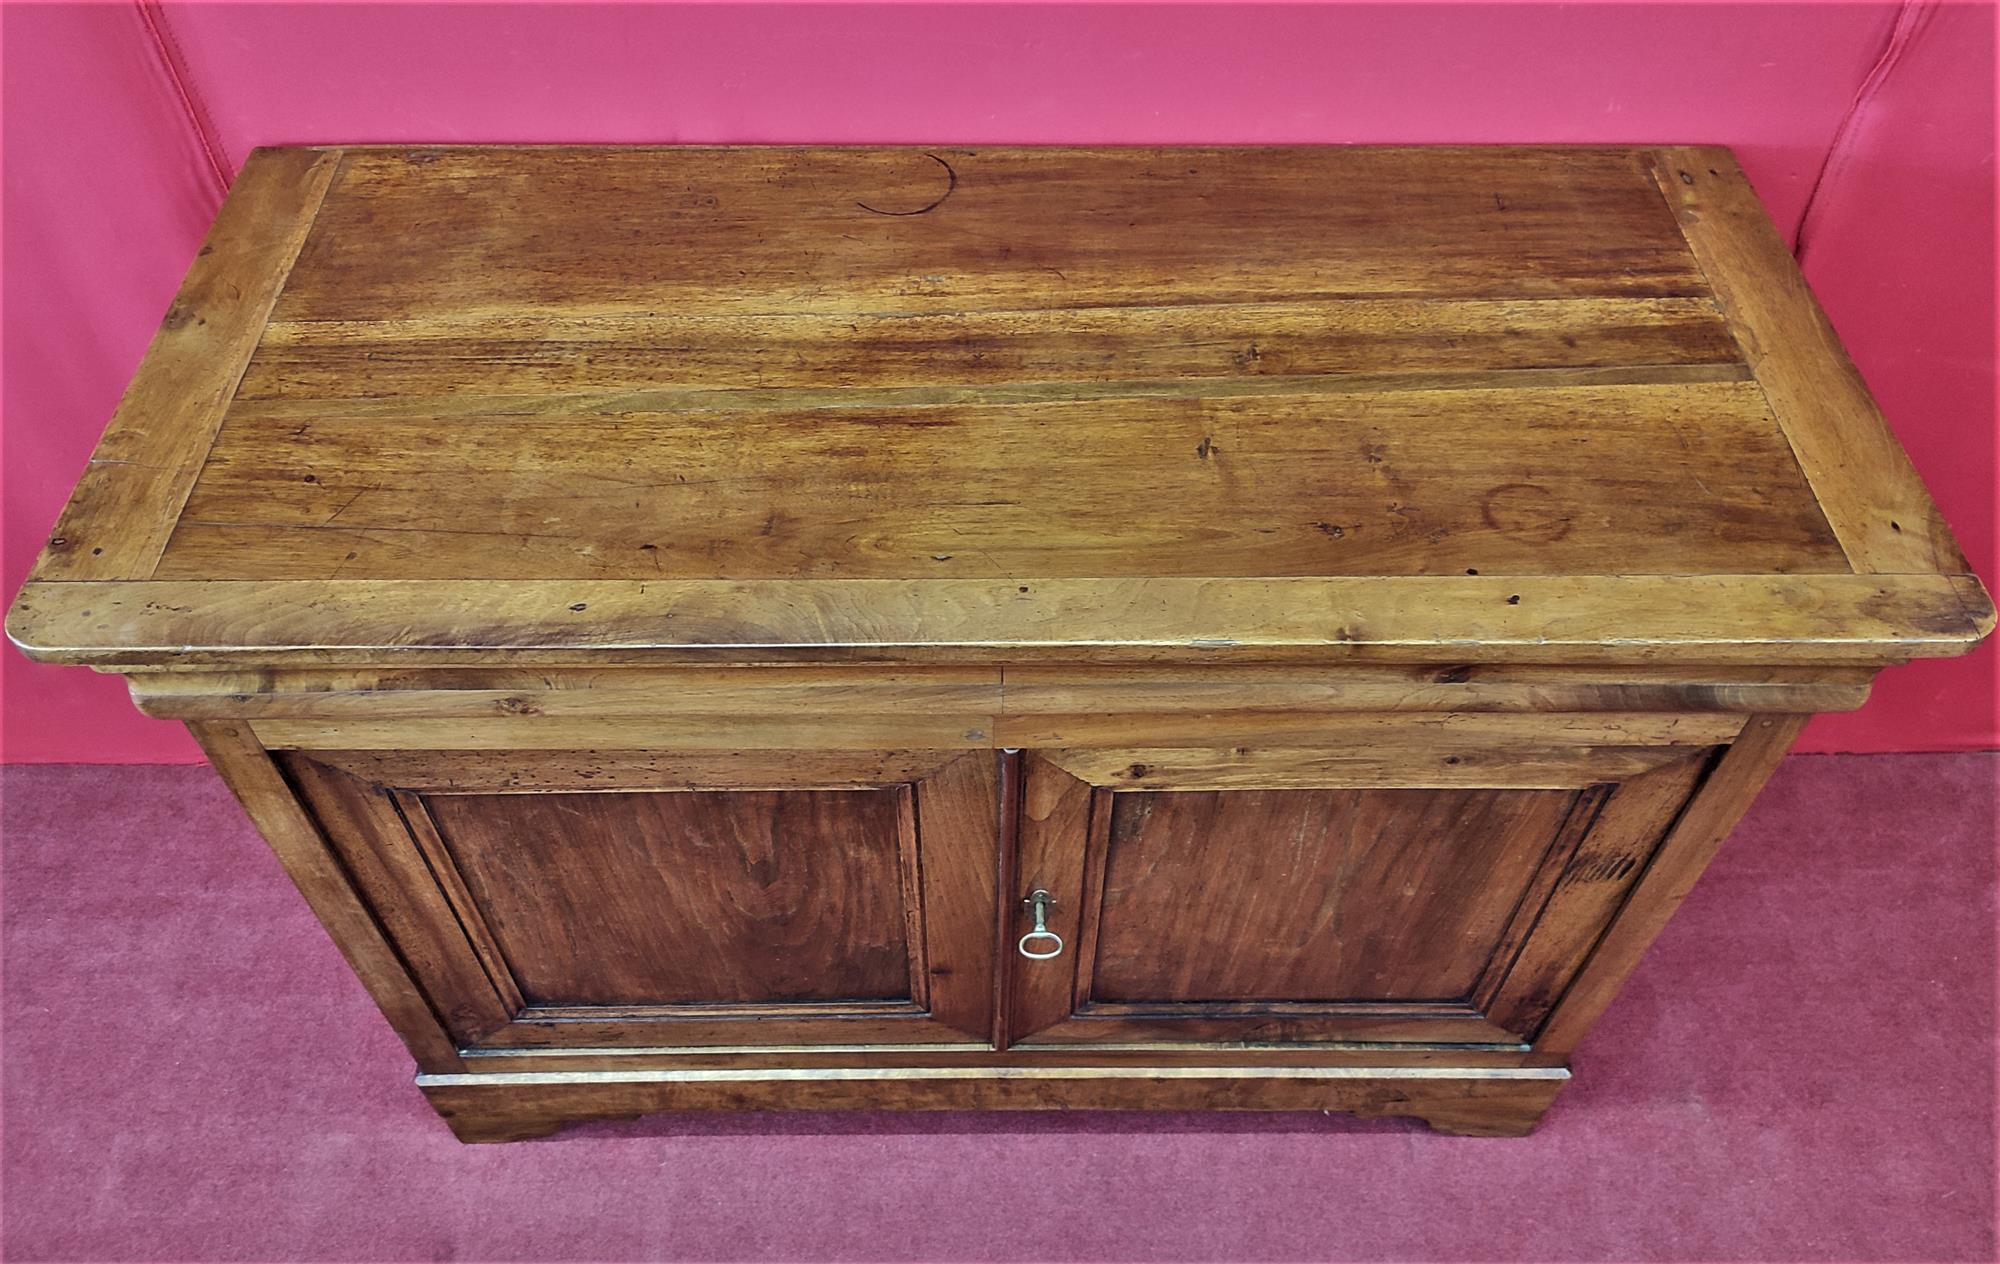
(155, 21)
(1910, 19)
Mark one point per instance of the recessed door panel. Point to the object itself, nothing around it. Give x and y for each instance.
(1305, 895)
(553, 899)
(1226, 912)
(665, 897)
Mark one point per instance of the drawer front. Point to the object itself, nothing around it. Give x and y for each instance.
(1302, 895)
(592, 899)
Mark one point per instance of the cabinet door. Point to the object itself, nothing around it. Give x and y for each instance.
(1265, 896)
(594, 899)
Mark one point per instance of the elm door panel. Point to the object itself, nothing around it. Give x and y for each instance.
(1304, 913)
(549, 899)
(690, 897)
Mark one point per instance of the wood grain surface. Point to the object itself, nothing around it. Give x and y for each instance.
(780, 229)
(1868, 491)
(1465, 1102)
(125, 505)
(1488, 478)
(741, 896)
(1223, 907)
(568, 900)
(1313, 895)
(593, 377)
(1635, 619)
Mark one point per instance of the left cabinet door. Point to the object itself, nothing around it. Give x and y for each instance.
(619, 899)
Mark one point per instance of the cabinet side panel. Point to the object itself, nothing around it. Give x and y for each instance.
(1592, 884)
(317, 873)
(368, 832)
(1717, 805)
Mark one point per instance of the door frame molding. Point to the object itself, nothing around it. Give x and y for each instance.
(1593, 862)
(372, 808)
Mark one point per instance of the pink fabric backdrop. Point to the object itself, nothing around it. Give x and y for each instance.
(122, 122)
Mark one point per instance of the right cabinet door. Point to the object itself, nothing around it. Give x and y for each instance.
(1265, 897)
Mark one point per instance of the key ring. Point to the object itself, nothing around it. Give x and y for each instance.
(1038, 904)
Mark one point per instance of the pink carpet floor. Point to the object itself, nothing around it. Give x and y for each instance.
(1803, 1069)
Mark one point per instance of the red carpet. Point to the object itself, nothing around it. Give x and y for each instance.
(1802, 1070)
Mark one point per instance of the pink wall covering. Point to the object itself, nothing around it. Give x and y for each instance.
(123, 122)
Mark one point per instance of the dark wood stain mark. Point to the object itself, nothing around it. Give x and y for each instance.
(951, 186)
(1528, 511)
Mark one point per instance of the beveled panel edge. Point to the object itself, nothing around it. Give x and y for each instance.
(550, 1015)
(861, 1023)
(1684, 851)
(300, 842)
(1149, 1052)
(1868, 489)
(125, 506)
(1383, 1030)
(1715, 619)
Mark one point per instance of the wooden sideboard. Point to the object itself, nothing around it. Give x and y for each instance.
(1130, 628)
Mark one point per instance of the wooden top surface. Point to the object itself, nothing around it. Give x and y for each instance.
(776, 402)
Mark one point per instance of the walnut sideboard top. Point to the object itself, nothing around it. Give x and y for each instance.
(547, 405)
